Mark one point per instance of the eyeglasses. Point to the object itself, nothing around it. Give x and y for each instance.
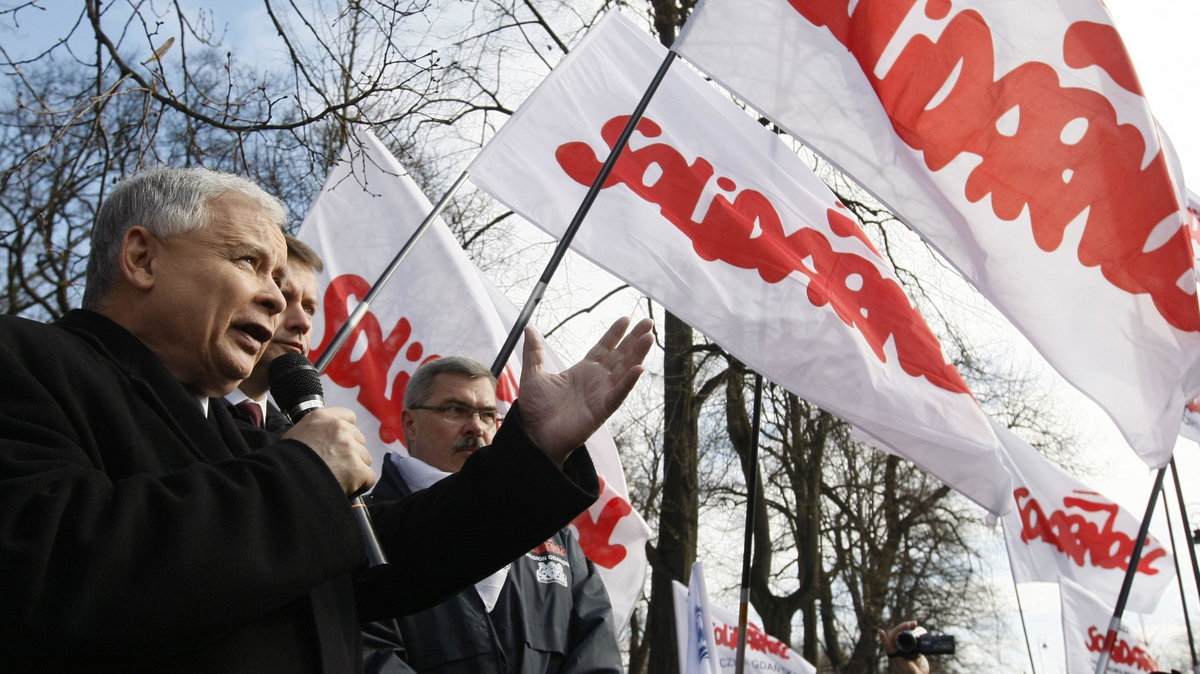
(457, 414)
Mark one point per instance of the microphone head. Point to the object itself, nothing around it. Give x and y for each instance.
(295, 384)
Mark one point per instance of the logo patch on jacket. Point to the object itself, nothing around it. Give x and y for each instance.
(551, 572)
(551, 559)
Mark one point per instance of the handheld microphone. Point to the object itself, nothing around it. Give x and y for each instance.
(296, 386)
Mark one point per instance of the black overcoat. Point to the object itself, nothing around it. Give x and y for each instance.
(138, 535)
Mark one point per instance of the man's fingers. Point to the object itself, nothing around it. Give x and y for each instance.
(622, 388)
(604, 348)
(342, 413)
(633, 349)
(331, 433)
(533, 355)
(639, 341)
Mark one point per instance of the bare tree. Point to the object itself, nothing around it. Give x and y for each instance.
(130, 84)
(847, 539)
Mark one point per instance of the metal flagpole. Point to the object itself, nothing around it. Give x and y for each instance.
(1012, 571)
(1187, 527)
(751, 497)
(1110, 637)
(364, 304)
(1187, 621)
(564, 243)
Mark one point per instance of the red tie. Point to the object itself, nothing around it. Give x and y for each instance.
(251, 411)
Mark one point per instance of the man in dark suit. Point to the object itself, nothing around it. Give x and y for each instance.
(547, 612)
(140, 532)
(301, 301)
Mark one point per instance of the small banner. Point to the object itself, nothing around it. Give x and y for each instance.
(1059, 527)
(1085, 620)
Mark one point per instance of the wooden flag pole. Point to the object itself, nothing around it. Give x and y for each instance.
(1012, 571)
(1187, 527)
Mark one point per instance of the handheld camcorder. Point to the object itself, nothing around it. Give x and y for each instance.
(911, 643)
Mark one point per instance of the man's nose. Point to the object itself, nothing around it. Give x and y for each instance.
(271, 297)
(474, 424)
(299, 321)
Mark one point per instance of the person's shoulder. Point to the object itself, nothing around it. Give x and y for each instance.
(20, 325)
(17, 331)
(67, 344)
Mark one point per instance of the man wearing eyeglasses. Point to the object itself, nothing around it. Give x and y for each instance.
(546, 612)
(449, 412)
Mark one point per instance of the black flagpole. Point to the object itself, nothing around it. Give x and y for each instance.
(339, 339)
(1110, 638)
(564, 243)
(375, 553)
(1187, 527)
(747, 548)
(1187, 620)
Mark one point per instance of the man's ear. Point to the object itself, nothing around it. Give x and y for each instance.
(407, 422)
(139, 249)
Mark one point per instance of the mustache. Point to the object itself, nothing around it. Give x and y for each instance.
(470, 443)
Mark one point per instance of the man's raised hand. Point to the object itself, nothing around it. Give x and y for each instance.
(561, 411)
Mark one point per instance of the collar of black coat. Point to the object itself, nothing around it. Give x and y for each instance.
(154, 382)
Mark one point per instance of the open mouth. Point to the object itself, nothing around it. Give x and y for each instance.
(260, 333)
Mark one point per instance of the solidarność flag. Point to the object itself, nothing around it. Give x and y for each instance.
(1013, 137)
(1060, 527)
(713, 216)
(1085, 619)
(437, 304)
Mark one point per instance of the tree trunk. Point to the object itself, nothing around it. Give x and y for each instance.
(677, 519)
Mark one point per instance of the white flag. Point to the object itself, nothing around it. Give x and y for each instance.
(710, 214)
(437, 304)
(764, 653)
(1060, 527)
(694, 626)
(1085, 620)
(1014, 137)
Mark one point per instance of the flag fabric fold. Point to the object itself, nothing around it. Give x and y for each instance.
(711, 215)
(694, 626)
(1016, 140)
(436, 304)
(1061, 528)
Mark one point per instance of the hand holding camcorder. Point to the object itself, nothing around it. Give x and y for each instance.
(916, 642)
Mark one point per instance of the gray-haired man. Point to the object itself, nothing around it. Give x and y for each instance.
(547, 611)
(140, 531)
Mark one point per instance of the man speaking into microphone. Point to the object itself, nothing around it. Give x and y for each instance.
(140, 531)
(293, 335)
